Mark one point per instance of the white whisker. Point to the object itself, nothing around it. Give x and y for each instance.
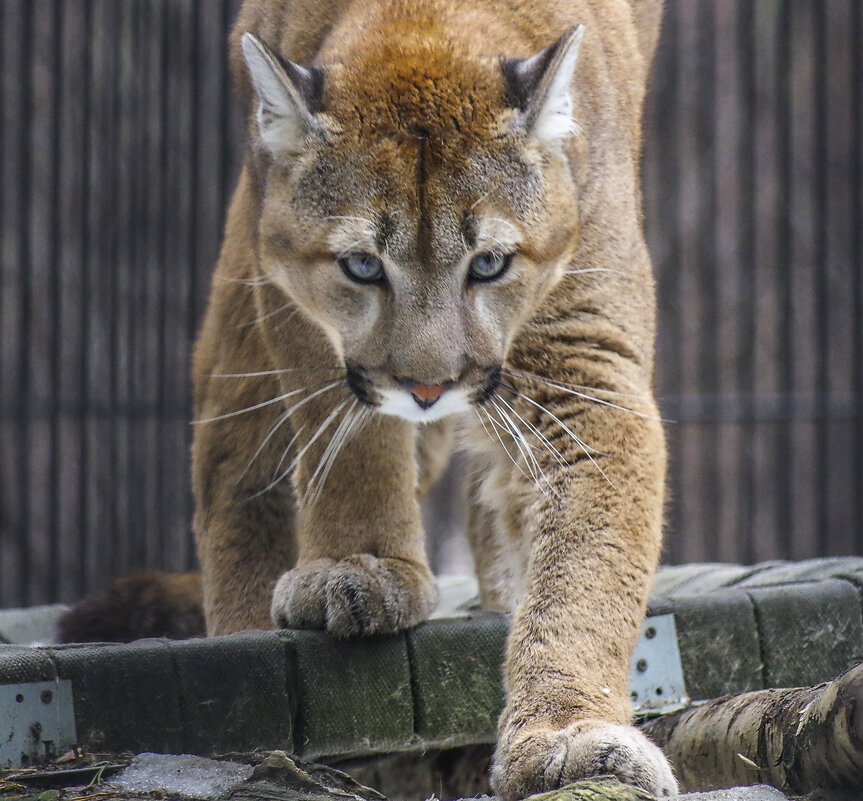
(541, 379)
(480, 200)
(523, 447)
(286, 452)
(260, 281)
(504, 222)
(503, 245)
(593, 398)
(275, 372)
(294, 408)
(296, 460)
(595, 270)
(500, 440)
(536, 465)
(249, 408)
(348, 249)
(463, 242)
(535, 431)
(330, 452)
(268, 315)
(359, 420)
(349, 219)
(314, 395)
(482, 423)
(276, 426)
(581, 444)
(277, 399)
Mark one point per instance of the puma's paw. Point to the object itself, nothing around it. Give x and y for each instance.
(526, 763)
(359, 595)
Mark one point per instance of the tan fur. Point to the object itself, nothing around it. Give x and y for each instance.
(416, 151)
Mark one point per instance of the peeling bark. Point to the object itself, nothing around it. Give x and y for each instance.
(797, 740)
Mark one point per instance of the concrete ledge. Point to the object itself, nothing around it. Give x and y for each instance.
(352, 698)
(439, 685)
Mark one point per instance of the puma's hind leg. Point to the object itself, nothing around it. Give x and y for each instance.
(495, 555)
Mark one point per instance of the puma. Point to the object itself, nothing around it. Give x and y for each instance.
(436, 241)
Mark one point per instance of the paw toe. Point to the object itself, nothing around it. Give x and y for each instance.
(360, 595)
(546, 760)
(355, 603)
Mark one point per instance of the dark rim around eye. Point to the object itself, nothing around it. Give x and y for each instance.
(506, 260)
(376, 278)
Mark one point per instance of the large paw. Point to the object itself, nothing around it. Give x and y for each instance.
(526, 763)
(356, 596)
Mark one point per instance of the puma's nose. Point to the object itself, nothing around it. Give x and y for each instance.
(426, 395)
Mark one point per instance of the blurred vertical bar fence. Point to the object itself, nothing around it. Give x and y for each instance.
(119, 146)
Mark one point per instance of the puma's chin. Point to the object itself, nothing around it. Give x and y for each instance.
(399, 403)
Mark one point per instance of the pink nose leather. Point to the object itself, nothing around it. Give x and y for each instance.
(427, 394)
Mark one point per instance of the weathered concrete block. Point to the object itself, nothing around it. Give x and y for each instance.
(19, 664)
(126, 696)
(718, 640)
(809, 633)
(235, 692)
(458, 678)
(353, 697)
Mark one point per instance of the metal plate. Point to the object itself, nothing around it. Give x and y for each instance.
(37, 722)
(656, 681)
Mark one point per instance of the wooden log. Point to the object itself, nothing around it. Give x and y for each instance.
(797, 740)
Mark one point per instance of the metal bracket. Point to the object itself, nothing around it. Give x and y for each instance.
(656, 681)
(37, 722)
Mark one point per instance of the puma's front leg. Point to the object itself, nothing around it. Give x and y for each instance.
(592, 555)
(362, 567)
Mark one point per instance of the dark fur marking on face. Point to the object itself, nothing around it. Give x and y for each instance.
(485, 392)
(469, 229)
(360, 384)
(386, 230)
(322, 187)
(280, 242)
(424, 237)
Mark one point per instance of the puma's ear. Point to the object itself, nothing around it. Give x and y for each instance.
(289, 96)
(540, 87)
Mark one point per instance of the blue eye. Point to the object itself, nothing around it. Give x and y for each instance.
(362, 267)
(489, 265)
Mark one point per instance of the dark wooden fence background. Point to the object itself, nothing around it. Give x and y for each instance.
(118, 150)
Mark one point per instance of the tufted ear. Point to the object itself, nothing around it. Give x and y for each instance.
(540, 87)
(288, 94)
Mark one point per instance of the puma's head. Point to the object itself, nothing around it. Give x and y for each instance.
(417, 205)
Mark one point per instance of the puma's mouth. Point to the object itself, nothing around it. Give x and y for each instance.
(418, 409)
(416, 402)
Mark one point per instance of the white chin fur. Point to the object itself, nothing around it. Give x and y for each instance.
(399, 403)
